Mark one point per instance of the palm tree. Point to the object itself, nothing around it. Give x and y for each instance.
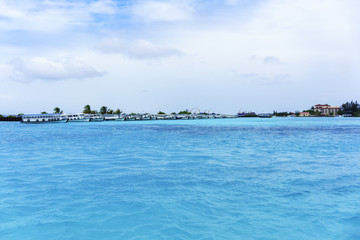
(118, 111)
(58, 110)
(103, 110)
(87, 109)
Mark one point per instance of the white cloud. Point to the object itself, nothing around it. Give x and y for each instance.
(103, 7)
(51, 16)
(43, 68)
(9, 11)
(156, 11)
(140, 49)
(270, 60)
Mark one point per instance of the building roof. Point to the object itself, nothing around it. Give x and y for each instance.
(322, 105)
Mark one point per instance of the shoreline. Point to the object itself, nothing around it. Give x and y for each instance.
(145, 117)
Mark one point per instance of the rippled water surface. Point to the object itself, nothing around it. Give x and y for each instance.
(278, 178)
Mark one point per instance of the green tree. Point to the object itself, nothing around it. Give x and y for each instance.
(58, 110)
(184, 112)
(118, 111)
(281, 114)
(110, 111)
(44, 112)
(160, 112)
(103, 110)
(310, 111)
(351, 108)
(87, 109)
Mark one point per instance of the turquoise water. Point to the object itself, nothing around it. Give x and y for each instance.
(278, 178)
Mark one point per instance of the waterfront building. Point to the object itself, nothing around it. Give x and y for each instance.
(304, 114)
(326, 109)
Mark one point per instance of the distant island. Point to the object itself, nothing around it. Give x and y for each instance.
(348, 109)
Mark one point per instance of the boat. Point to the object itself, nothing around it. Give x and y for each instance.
(77, 117)
(160, 117)
(265, 115)
(182, 117)
(113, 117)
(120, 118)
(130, 118)
(44, 118)
(146, 117)
(95, 117)
(169, 117)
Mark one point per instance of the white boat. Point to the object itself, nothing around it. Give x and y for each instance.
(77, 117)
(120, 118)
(170, 117)
(146, 117)
(160, 117)
(130, 118)
(113, 117)
(95, 117)
(44, 118)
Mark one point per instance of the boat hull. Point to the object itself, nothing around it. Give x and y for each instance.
(96, 119)
(79, 120)
(42, 122)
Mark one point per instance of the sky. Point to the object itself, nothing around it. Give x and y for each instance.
(219, 56)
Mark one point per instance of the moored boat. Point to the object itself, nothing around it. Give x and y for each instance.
(130, 118)
(265, 115)
(77, 117)
(120, 118)
(44, 118)
(95, 117)
(113, 117)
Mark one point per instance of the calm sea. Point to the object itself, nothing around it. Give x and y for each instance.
(249, 178)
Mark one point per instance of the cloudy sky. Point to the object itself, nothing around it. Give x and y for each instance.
(150, 55)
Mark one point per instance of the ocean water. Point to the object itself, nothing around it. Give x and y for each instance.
(248, 178)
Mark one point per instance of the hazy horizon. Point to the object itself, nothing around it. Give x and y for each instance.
(146, 56)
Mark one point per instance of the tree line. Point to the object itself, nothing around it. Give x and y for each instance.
(103, 110)
(351, 108)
